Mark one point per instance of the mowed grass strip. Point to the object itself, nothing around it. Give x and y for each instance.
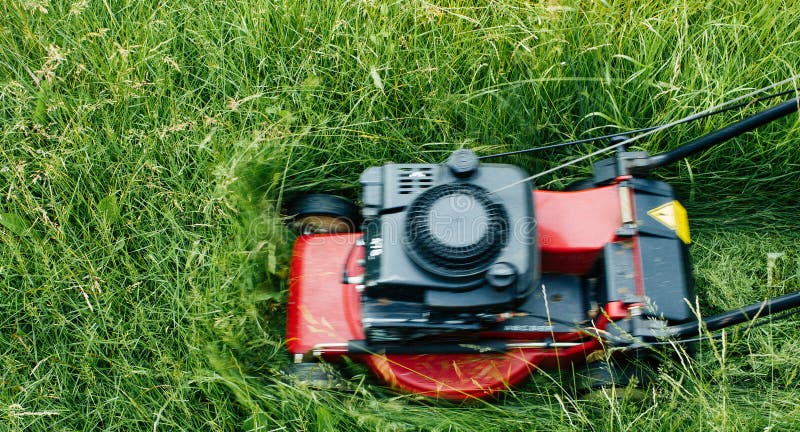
(146, 149)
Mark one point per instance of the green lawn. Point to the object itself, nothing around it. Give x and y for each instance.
(146, 148)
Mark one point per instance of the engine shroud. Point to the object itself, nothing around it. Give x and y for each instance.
(445, 245)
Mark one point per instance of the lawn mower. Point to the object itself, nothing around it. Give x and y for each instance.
(460, 279)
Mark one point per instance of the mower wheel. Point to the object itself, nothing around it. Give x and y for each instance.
(580, 185)
(616, 378)
(323, 213)
(315, 375)
(604, 373)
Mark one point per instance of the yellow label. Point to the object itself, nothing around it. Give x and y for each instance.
(673, 216)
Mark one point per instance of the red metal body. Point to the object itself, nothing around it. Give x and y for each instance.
(572, 228)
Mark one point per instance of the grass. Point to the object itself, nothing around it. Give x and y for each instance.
(145, 151)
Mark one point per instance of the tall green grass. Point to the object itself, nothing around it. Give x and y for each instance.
(146, 149)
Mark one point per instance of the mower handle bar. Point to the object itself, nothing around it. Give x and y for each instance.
(734, 317)
(720, 136)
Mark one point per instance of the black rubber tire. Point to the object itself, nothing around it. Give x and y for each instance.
(316, 375)
(323, 213)
(580, 185)
(625, 376)
(611, 373)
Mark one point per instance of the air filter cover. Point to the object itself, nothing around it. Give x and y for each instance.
(455, 229)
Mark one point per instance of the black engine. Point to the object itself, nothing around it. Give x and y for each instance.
(448, 247)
